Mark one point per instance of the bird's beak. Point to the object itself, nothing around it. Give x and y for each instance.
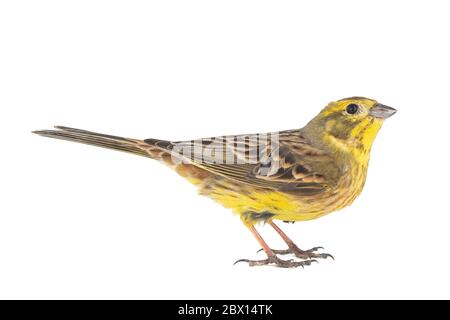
(381, 111)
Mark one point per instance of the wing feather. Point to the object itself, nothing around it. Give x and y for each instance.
(283, 161)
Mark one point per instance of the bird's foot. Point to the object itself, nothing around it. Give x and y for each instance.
(275, 261)
(304, 254)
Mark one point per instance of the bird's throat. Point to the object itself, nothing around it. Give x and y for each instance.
(357, 144)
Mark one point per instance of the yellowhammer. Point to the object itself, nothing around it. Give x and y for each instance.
(291, 175)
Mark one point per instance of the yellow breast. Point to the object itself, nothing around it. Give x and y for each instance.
(243, 198)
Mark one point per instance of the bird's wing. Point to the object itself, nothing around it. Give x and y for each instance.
(283, 161)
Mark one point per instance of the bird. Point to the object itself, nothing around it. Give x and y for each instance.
(291, 175)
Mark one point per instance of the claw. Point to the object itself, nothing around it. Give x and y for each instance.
(315, 249)
(323, 256)
(240, 260)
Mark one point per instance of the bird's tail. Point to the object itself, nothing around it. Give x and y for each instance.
(97, 139)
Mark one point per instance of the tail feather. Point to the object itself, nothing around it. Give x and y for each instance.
(96, 139)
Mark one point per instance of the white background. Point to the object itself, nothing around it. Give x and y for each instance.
(81, 222)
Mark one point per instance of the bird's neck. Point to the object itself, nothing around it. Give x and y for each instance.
(354, 148)
(351, 150)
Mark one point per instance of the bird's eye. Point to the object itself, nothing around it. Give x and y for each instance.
(352, 108)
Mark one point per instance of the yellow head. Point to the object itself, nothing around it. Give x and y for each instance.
(349, 125)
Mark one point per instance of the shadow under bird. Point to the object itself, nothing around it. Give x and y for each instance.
(292, 175)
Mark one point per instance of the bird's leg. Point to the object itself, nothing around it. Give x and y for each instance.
(272, 258)
(293, 249)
